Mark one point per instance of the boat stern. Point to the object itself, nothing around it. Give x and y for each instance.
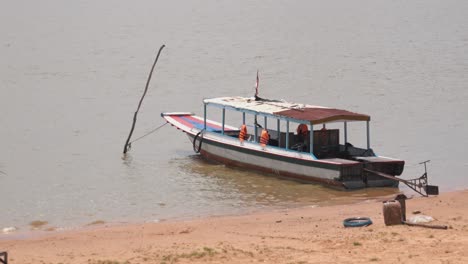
(389, 166)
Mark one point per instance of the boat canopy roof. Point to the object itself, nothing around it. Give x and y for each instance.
(303, 113)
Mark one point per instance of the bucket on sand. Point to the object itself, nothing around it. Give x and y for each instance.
(392, 213)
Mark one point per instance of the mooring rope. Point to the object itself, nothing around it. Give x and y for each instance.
(151, 132)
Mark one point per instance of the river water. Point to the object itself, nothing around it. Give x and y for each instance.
(72, 72)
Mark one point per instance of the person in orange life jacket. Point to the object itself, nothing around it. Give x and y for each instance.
(303, 137)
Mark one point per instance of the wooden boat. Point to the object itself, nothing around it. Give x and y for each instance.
(313, 154)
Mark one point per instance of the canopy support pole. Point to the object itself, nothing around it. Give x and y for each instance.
(204, 117)
(224, 119)
(311, 139)
(256, 129)
(243, 118)
(368, 135)
(287, 134)
(345, 132)
(279, 131)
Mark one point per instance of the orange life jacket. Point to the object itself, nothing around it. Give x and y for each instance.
(264, 138)
(243, 133)
(302, 129)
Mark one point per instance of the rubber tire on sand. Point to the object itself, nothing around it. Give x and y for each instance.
(357, 222)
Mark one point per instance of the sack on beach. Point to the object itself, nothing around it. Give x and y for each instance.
(420, 219)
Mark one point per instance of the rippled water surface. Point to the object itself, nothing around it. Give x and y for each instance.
(72, 72)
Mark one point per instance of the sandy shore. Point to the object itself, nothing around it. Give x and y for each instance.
(306, 235)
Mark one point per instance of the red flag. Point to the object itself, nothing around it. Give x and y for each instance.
(256, 86)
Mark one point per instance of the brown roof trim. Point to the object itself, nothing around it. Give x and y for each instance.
(322, 115)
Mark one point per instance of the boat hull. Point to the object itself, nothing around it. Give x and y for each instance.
(339, 175)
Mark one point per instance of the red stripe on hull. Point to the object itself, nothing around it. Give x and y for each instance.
(208, 123)
(185, 120)
(182, 121)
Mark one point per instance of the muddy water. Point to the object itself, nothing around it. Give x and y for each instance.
(72, 72)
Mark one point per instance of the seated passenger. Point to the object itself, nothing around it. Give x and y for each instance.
(302, 137)
(302, 131)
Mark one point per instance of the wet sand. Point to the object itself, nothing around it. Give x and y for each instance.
(304, 235)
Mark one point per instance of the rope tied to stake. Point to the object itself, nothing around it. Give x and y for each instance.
(129, 146)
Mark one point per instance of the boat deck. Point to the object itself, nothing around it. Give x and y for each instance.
(190, 121)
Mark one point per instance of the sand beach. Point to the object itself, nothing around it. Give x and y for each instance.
(304, 235)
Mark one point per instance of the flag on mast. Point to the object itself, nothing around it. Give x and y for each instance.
(256, 86)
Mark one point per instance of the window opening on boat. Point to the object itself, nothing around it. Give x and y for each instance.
(326, 141)
(249, 121)
(356, 134)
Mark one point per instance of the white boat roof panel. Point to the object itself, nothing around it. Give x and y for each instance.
(302, 112)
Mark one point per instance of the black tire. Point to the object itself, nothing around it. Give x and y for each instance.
(199, 134)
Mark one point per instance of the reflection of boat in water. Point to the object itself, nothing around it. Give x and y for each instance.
(244, 187)
(304, 154)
